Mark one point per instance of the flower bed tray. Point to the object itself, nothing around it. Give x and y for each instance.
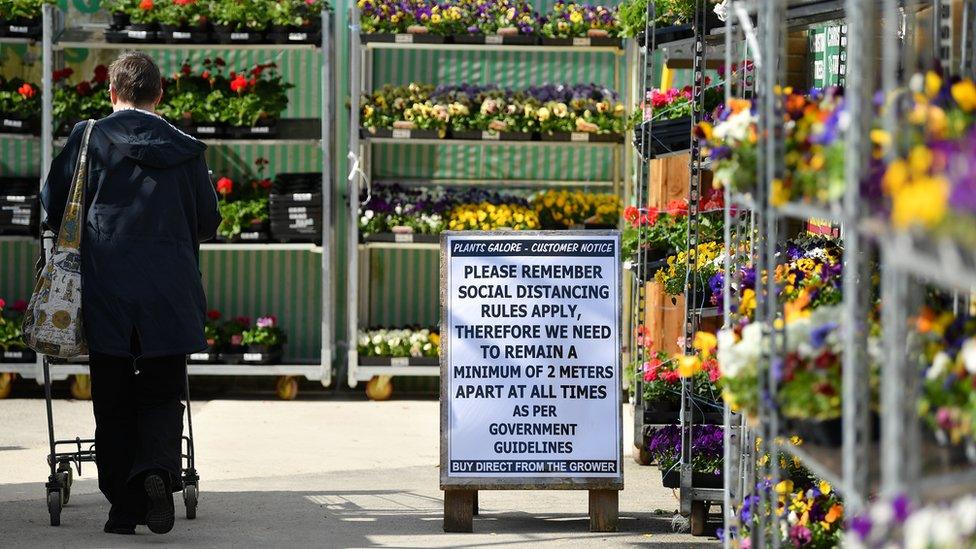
(266, 131)
(132, 36)
(672, 479)
(499, 39)
(19, 125)
(185, 36)
(665, 35)
(403, 38)
(366, 133)
(669, 136)
(404, 238)
(24, 356)
(26, 28)
(206, 357)
(230, 358)
(583, 137)
(667, 413)
(296, 36)
(398, 361)
(486, 135)
(584, 42)
(239, 37)
(827, 433)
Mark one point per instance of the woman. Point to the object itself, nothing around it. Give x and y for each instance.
(149, 204)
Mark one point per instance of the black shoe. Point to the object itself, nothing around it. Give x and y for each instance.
(116, 526)
(161, 515)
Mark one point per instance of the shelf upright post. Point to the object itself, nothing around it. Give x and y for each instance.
(355, 172)
(47, 118)
(856, 391)
(328, 288)
(968, 45)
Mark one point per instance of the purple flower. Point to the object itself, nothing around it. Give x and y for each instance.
(265, 322)
(819, 334)
(800, 535)
(861, 525)
(902, 508)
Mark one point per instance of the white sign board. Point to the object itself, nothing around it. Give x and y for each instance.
(530, 363)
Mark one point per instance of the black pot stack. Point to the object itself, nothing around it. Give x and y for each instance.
(296, 207)
(19, 211)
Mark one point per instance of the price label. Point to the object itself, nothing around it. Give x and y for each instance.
(253, 357)
(208, 130)
(13, 355)
(17, 29)
(301, 197)
(403, 39)
(297, 36)
(240, 35)
(581, 42)
(261, 129)
(399, 361)
(141, 35)
(250, 235)
(403, 238)
(401, 134)
(16, 198)
(579, 136)
(180, 35)
(13, 123)
(20, 221)
(490, 136)
(494, 39)
(199, 356)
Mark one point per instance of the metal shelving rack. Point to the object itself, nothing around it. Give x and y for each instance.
(360, 149)
(294, 132)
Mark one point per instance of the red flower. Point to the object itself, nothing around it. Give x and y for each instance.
(83, 88)
(678, 207)
(185, 69)
(26, 91)
(262, 162)
(265, 183)
(183, 2)
(2, 303)
(225, 186)
(20, 306)
(213, 314)
(64, 73)
(631, 214)
(238, 84)
(101, 74)
(671, 376)
(825, 360)
(205, 75)
(650, 217)
(146, 5)
(243, 321)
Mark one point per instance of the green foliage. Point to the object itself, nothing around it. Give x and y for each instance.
(19, 98)
(241, 14)
(22, 9)
(239, 214)
(295, 12)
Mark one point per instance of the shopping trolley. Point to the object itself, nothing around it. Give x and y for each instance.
(73, 452)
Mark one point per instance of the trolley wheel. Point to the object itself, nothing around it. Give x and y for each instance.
(6, 384)
(190, 497)
(287, 388)
(81, 387)
(54, 507)
(65, 478)
(379, 388)
(699, 515)
(642, 456)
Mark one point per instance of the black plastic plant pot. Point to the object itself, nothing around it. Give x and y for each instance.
(20, 356)
(672, 479)
(184, 34)
(120, 20)
(293, 34)
(11, 123)
(134, 34)
(231, 357)
(207, 356)
(397, 133)
(403, 238)
(667, 137)
(499, 39)
(488, 135)
(827, 433)
(582, 137)
(253, 236)
(233, 35)
(204, 130)
(262, 354)
(261, 130)
(398, 361)
(22, 28)
(653, 266)
(584, 42)
(402, 38)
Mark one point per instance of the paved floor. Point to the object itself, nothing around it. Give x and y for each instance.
(322, 473)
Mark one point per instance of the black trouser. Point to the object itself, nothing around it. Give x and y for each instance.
(138, 425)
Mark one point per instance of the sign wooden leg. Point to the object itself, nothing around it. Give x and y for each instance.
(474, 506)
(603, 510)
(459, 508)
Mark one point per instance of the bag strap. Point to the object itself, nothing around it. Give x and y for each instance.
(72, 222)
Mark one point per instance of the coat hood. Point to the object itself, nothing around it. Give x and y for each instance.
(149, 139)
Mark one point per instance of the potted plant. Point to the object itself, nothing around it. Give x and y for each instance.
(584, 112)
(574, 24)
(501, 22)
(21, 18)
(297, 21)
(674, 19)
(707, 457)
(383, 112)
(414, 347)
(232, 337)
(565, 209)
(244, 207)
(214, 335)
(13, 349)
(240, 21)
(19, 106)
(256, 100)
(183, 21)
(402, 22)
(194, 101)
(673, 277)
(264, 341)
(134, 20)
(73, 103)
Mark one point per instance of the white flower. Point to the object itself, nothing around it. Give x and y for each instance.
(939, 365)
(968, 354)
(722, 10)
(377, 339)
(369, 214)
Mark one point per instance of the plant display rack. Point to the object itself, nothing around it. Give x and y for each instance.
(307, 133)
(360, 176)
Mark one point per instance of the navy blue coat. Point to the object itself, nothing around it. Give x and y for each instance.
(149, 203)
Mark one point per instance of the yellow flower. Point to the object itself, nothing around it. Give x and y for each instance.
(784, 487)
(923, 202)
(933, 83)
(779, 195)
(543, 114)
(964, 92)
(825, 487)
(705, 342)
(688, 366)
(896, 177)
(880, 138)
(576, 17)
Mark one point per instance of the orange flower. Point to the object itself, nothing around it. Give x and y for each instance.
(146, 5)
(26, 91)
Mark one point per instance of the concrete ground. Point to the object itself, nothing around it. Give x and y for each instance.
(313, 473)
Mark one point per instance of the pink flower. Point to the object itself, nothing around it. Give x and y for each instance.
(266, 322)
